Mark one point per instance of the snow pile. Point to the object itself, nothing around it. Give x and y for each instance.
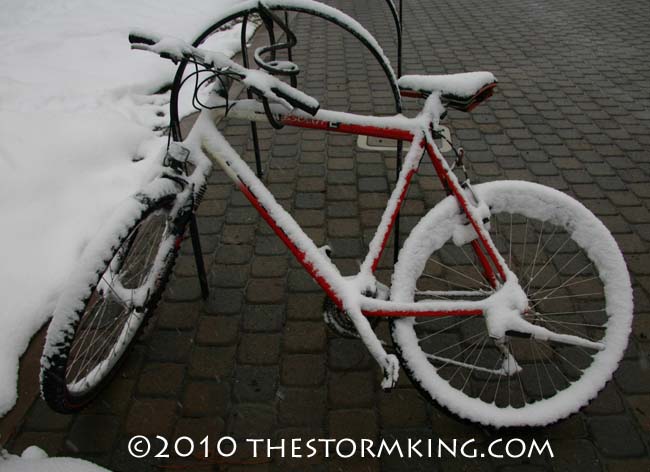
(35, 459)
(75, 111)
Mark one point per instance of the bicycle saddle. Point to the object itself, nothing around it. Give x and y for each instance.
(463, 91)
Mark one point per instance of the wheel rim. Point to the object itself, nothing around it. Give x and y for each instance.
(116, 307)
(566, 296)
(562, 391)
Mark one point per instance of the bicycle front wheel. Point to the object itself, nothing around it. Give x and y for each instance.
(576, 281)
(97, 319)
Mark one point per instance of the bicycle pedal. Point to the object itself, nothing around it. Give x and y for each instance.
(387, 388)
(391, 372)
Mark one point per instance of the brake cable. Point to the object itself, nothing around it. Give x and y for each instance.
(459, 162)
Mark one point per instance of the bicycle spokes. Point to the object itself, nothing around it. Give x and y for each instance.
(549, 328)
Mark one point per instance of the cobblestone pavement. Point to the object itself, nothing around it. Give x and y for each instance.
(255, 360)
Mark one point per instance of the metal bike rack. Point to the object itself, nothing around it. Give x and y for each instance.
(249, 94)
(397, 18)
(396, 13)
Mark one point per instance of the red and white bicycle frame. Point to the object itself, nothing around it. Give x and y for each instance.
(415, 130)
(349, 292)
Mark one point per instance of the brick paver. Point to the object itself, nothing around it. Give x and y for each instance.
(572, 111)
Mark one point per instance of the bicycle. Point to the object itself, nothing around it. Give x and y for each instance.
(510, 302)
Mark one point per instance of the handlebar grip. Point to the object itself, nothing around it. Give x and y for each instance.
(296, 102)
(139, 38)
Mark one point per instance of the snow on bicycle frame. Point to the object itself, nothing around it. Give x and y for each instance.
(285, 105)
(470, 227)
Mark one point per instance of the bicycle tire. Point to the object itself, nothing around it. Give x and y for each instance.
(449, 358)
(98, 289)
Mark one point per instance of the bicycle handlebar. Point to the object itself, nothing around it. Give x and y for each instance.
(259, 81)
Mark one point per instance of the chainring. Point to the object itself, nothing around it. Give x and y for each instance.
(339, 321)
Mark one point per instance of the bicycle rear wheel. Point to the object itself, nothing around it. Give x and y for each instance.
(576, 282)
(96, 321)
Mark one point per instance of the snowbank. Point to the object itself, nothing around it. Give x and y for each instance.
(35, 459)
(75, 111)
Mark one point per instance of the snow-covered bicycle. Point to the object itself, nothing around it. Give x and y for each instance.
(510, 302)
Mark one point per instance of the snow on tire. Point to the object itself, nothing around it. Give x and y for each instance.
(577, 283)
(112, 291)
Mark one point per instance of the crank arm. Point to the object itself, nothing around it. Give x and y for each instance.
(388, 362)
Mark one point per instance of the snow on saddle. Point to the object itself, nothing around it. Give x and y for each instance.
(463, 91)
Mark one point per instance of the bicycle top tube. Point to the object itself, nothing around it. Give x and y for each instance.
(397, 127)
